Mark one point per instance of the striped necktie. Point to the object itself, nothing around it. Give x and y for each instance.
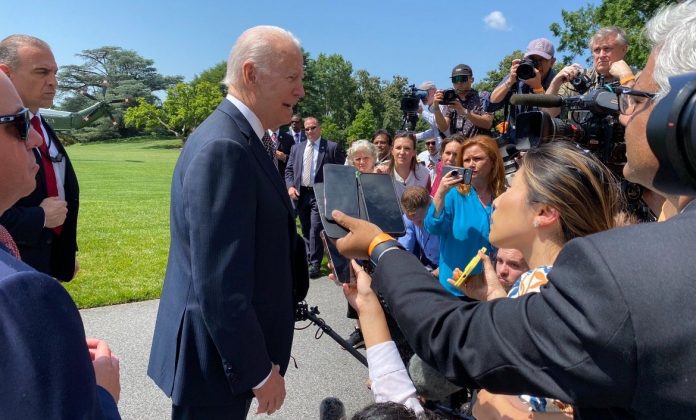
(270, 148)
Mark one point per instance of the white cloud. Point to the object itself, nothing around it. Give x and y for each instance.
(495, 20)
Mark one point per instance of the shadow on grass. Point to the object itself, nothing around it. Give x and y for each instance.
(163, 146)
(134, 161)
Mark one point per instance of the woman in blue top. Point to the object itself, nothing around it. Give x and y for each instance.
(461, 216)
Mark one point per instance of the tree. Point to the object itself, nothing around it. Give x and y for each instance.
(494, 77)
(393, 117)
(631, 15)
(214, 75)
(109, 73)
(186, 106)
(364, 124)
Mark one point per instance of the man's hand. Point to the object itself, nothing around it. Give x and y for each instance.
(620, 70)
(567, 74)
(281, 156)
(272, 394)
(437, 98)
(294, 195)
(356, 242)
(55, 211)
(512, 79)
(106, 367)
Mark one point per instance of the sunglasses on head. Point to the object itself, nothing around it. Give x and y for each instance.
(21, 120)
(460, 79)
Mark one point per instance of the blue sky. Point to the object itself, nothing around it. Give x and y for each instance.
(421, 40)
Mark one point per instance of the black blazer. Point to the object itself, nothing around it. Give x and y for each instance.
(40, 247)
(227, 307)
(46, 368)
(285, 143)
(329, 152)
(613, 332)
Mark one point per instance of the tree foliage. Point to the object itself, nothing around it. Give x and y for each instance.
(186, 106)
(493, 77)
(364, 124)
(631, 15)
(214, 75)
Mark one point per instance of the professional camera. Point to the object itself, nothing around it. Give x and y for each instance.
(448, 96)
(525, 70)
(410, 101)
(581, 83)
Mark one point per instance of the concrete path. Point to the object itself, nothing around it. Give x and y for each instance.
(324, 368)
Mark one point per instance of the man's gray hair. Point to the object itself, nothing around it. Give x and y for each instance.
(604, 33)
(255, 45)
(672, 34)
(10, 45)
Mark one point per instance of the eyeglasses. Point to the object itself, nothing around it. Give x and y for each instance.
(463, 78)
(430, 143)
(21, 120)
(631, 99)
(310, 128)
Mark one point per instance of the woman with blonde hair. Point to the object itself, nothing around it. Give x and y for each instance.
(460, 214)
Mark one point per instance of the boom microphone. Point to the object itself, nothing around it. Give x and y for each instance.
(538, 100)
(332, 408)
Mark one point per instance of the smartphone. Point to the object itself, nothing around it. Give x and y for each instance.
(332, 229)
(382, 205)
(340, 264)
(343, 192)
(465, 173)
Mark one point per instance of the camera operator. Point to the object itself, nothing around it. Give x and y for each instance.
(465, 113)
(427, 115)
(613, 331)
(532, 74)
(609, 46)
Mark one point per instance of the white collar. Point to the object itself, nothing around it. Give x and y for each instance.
(253, 120)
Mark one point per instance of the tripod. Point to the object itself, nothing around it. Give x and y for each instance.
(303, 312)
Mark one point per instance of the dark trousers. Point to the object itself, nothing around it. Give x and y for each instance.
(236, 411)
(311, 226)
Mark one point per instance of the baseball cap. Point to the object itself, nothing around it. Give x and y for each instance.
(462, 69)
(428, 84)
(541, 47)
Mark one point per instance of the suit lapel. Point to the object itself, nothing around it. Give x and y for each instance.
(322, 152)
(257, 150)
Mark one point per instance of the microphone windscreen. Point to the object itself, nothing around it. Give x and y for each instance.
(540, 100)
(332, 408)
(430, 384)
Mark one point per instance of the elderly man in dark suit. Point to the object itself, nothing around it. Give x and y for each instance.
(44, 223)
(45, 359)
(225, 322)
(305, 168)
(613, 332)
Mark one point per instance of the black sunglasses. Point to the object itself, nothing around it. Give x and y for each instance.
(460, 79)
(21, 120)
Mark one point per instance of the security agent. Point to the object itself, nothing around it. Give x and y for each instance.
(613, 331)
(536, 72)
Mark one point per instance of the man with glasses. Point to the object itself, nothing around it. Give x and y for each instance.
(466, 114)
(541, 53)
(45, 357)
(613, 332)
(305, 168)
(430, 157)
(608, 46)
(44, 224)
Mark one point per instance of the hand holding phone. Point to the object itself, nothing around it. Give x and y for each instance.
(470, 267)
(464, 173)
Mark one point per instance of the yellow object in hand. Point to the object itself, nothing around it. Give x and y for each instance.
(470, 267)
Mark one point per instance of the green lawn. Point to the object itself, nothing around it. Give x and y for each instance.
(123, 228)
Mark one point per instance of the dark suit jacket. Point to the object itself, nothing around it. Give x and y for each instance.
(227, 308)
(329, 152)
(46, 368)
(40, 247)
(613, 332)
(285, 143)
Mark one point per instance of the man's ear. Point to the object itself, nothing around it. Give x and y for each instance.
(6, 69)
(249, 73)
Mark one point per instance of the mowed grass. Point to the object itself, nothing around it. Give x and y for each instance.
(123, 226)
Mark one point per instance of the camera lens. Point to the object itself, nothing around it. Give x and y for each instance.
(525, 70)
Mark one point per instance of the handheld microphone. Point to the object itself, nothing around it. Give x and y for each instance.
(538, 100)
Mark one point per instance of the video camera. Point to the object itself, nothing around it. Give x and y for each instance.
(410, 101)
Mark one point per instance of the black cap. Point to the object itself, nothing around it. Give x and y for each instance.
(462, 69)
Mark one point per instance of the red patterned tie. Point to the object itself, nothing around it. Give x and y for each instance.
(49, 172)
(8, 242)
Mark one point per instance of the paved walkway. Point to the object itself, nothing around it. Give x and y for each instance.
(325, 369)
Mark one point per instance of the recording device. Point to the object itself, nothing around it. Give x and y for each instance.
(374, 195)
(464, 173)
(671, 132)
(581, 83)
(410, 101)
(340, 264)
(331, 408)
(448, 96)
(525, 70)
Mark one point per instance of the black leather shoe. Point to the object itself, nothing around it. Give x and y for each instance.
(314, 272)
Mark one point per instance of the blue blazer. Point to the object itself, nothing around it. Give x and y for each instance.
(227, 307)
(46, 369)
(329, 152)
